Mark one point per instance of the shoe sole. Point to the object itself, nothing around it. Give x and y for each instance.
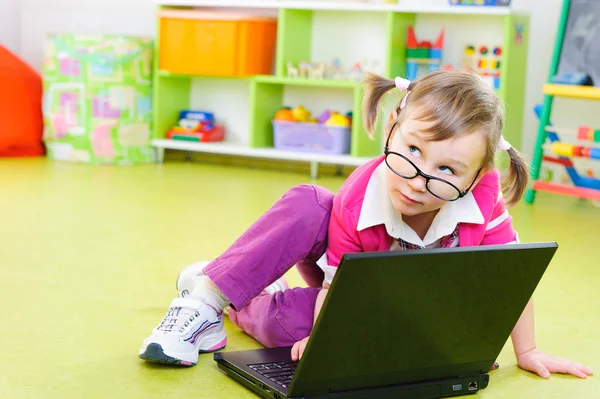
(154, 353)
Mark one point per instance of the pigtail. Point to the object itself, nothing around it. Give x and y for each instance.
(375, 87)
(515, 183)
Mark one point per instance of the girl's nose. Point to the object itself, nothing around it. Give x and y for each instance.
(418, 184)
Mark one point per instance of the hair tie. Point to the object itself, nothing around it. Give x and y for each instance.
(402, 85)
(503, 145)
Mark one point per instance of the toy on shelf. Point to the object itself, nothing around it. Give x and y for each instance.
(423, 53)
(335, 70)
(501, 3)
(301, 114)
(307, 70)
(197, 126)
(486, 61)
(292, 71)
(295, 130)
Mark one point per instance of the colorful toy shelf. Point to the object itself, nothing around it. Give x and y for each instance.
(294, 44)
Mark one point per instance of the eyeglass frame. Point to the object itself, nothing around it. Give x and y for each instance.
(427, 177)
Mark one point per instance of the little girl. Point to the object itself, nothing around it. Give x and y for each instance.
(435, 186)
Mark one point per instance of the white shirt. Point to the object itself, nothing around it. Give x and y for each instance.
(377, 208)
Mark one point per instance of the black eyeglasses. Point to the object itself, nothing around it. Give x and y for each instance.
(405, 168)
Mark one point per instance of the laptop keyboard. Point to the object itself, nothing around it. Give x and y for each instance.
(280, 373)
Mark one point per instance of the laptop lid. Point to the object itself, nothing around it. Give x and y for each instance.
(400, 317)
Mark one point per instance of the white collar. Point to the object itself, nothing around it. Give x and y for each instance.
(377, 208)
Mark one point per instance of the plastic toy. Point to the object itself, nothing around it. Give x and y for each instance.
(337, 120)
(292, 71)
(334, 70)
(581, 185)
(306, 70)
(422, 53)
(197, 126)
(324, 117)
(573, 151)
(356, 72)
(317, 71)
(486, 61)
(300, 114)
(284, 114)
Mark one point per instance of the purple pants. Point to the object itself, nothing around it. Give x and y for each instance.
(292, 232)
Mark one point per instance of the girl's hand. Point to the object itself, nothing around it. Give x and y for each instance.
(298, 349)
(543, 364)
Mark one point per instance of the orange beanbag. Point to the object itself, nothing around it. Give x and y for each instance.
(21, 122)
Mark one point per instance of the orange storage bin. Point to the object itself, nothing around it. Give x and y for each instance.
(216, 44)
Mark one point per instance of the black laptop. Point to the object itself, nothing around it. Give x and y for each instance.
(407, 324)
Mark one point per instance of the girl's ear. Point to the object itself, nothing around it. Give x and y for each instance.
(393, 116)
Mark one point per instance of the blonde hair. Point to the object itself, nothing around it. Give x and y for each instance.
(458, 103)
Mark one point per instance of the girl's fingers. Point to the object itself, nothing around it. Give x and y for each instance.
(301, 349)
(565, 366)
(540, 369)
(295, 352)
(573, 370)
(584, 369)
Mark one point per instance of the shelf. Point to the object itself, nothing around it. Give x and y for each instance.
(342, 6)
(298, 30)
(168, 74)
(343, 84)
(568, 91)
(331, 83)
(266, 153)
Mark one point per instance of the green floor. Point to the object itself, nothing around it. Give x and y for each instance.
(89, 256)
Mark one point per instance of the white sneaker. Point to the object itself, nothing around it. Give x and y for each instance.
(189, 327)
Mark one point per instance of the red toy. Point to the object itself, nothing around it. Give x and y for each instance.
(197, 126)
(204, 133)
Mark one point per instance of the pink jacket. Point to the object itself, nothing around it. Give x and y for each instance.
(344, 238)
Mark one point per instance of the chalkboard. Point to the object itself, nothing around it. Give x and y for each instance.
(581, 45)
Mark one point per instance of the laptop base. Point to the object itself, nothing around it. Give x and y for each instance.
(424, 390)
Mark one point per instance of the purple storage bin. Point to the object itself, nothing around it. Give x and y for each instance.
(311, 137)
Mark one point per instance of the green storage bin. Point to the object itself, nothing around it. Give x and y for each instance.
(98, 98)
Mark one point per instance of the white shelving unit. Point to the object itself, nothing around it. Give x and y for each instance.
(265, 153)
(487, 24)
